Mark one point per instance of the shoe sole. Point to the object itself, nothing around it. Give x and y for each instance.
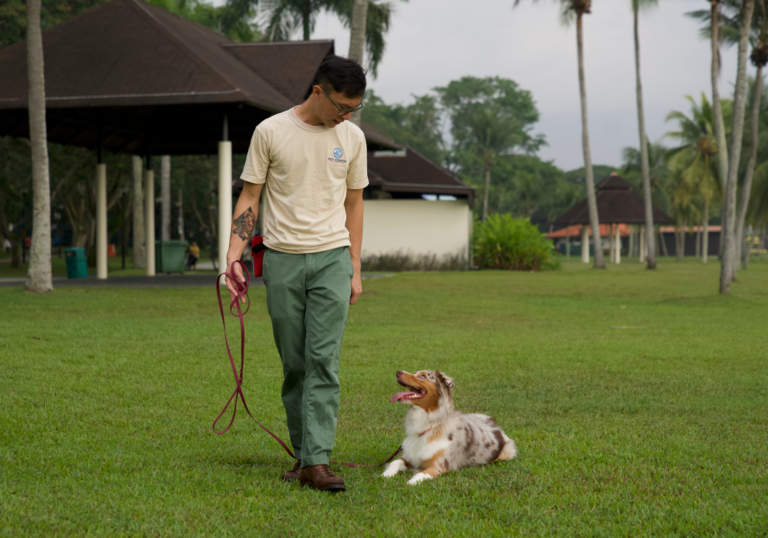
(333, 488)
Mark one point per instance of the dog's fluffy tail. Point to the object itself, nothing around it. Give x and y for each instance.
(509, 451)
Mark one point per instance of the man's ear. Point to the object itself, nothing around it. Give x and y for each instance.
(446, 381)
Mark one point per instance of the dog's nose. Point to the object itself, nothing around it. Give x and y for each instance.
(399, 372)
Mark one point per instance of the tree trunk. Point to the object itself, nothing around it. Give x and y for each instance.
(644, 166)
(705, 233)
(305, 23)
(39, 278)
(717, 110)
(165, 197)
(697, 236)
(139, 256)
(591, 198)
(747, 187)
(357, 40)
(663, 244)
(728, 270)
(485, 196)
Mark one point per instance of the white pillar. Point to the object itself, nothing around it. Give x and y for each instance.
(642, 244)
(618, 244)
(149, 220)
(225, 202)
(165, 197)
(101, 221)
(584, 244)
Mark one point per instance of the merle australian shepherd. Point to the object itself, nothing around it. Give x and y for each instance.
(438, 437)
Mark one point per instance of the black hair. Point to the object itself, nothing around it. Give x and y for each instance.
(340, 75)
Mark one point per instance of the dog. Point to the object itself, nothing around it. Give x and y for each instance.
(438, 437)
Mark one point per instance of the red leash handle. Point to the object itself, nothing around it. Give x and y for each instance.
(242, 291)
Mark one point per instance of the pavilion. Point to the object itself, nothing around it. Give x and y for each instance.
(617, 208)
(129, 77)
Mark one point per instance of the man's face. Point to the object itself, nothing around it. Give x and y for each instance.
(329, 113)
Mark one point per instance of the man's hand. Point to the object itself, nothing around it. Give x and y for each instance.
(357, 287)
(231, 286)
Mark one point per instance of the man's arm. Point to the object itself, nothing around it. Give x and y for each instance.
(353, 205)
(243, 224)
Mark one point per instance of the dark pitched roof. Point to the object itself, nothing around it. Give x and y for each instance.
(151, 81)
(410, 171)
(616, 203)
(288, 66)
(129, 52)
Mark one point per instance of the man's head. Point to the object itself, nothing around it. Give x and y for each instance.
(337, 88)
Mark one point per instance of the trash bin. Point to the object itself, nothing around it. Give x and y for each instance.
(170, 256)
(77, 263)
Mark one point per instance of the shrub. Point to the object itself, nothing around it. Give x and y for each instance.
(506, 243)
(404, 261)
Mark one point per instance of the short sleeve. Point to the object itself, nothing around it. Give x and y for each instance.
(257, 160)
(357, 175)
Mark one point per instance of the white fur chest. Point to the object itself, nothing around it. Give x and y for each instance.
(424, 439)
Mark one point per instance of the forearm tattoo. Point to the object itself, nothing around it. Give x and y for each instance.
(245, 224)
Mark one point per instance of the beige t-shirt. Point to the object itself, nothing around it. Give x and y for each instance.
(307, 170)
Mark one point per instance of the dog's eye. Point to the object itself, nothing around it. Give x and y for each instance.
(422, 376)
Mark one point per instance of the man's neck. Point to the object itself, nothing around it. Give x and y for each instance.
(305, 113)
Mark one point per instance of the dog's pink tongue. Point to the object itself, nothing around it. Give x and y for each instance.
(400, 396)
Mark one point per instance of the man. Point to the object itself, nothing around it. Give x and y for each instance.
(314, 165)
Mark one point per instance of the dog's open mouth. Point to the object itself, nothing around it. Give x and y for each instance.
(413, 394)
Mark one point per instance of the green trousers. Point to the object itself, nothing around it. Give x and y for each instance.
(308, 299)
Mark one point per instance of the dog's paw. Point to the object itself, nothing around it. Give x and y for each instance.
(394, 468)
(418, 477)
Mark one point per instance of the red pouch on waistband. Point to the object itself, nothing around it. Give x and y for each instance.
(257, 250)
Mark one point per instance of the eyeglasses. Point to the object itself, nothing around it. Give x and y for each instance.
(342, 111)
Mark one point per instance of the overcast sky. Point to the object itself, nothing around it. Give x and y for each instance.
(432, 42)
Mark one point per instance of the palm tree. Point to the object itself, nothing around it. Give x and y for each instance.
(39, 278)
(637, 5)
(694, 161)
(759, 59)
(728, 270)
(729, 33)
(577, 9)
(368, 22)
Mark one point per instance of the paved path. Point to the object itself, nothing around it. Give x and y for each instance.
(141, 281)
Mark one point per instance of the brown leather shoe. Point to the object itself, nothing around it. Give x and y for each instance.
(321, 477)
(293, 474)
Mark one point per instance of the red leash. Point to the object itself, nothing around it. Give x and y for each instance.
(242, 291)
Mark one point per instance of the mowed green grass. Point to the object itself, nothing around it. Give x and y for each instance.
(107, 398)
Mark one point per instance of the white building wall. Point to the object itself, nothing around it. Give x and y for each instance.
(417, 227)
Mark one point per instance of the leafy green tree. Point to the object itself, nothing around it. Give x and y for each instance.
(694, 161)
(416, 124)
(489, 117)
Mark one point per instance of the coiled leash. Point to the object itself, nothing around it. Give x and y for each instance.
(242, 291)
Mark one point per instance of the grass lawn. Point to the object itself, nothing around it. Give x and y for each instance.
(107, 398)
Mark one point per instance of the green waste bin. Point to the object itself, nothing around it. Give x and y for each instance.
(170, 256)
(77, 263)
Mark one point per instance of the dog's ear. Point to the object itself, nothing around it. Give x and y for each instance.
(445, 381)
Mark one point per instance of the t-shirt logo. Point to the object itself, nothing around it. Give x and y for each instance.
(336, 159)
